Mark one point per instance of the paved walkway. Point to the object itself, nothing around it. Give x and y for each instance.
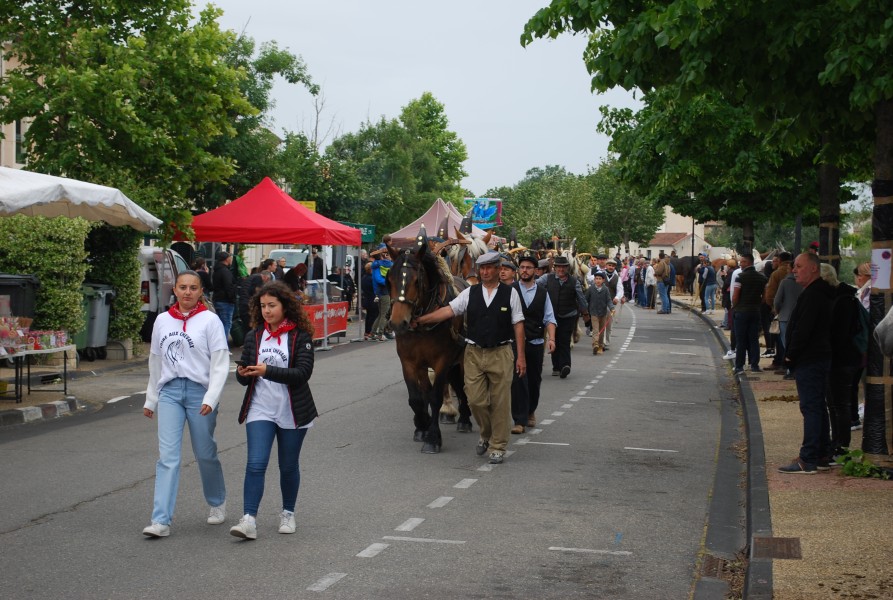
(839, 523)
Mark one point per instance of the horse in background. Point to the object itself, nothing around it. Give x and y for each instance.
(462, 255)
(420, 282)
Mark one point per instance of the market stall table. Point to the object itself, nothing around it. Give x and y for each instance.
(22, 370)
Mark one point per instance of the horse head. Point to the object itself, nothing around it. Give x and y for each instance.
(414, 282)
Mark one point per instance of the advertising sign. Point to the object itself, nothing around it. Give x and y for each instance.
(486, 213)
(337, 317)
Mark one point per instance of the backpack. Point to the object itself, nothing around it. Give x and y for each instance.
(671, 278)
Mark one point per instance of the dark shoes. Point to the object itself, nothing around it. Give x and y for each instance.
(531, 420)
(481, 448)
(756, 369)
(517, 429)
(565, 371)
(798, 467)
(555, 372)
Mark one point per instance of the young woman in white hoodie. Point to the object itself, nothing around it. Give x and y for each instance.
(188, 366)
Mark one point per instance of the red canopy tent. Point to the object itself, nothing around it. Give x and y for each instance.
(267, 215)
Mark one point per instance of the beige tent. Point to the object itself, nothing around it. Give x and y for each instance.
(441, 220)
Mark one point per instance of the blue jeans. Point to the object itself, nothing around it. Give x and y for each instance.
(179, 402)
(260, 443)
(225, 312)
(710, 296)
(747, 337)
(664, 297)
(812, 386)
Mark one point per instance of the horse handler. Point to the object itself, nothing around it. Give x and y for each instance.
(494, 319)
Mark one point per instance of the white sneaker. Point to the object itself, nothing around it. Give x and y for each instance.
(218, 514)
(730, 355)
(287, 522)
(157, 530)
(246, 529)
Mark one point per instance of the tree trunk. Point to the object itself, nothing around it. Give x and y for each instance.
(878, 380)
(829, 211)
(747, 235)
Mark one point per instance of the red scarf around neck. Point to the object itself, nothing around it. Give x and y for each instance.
(176, 313)
(284, 327)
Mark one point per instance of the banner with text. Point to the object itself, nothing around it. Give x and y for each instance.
(337, 318)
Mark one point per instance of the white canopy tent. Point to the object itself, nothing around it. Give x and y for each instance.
(36, 194)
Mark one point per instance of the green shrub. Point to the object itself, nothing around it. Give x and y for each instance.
(53, 250)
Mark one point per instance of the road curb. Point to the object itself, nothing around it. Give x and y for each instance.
(41, 412)
(758, 579)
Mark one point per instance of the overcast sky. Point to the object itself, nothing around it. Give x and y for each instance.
(514, 108)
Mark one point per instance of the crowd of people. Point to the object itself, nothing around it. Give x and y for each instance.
(815, 331)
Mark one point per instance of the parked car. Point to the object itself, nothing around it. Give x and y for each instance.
(293, 257)
(159, 268)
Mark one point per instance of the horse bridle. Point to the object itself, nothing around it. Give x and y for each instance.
(416, 311)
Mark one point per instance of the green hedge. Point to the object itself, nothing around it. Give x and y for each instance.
(113, 260)
(53, 250)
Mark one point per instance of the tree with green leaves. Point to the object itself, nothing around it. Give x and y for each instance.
(131, 99)
(825, 65)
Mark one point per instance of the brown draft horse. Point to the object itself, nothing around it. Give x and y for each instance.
(419, 283)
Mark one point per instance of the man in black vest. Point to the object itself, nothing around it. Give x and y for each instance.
(612, 280)
(538, 319)
(566, 295)
(495, 319)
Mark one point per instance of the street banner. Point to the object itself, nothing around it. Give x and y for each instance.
(337, 318)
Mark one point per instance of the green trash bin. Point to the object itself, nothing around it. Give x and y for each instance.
(97, 300)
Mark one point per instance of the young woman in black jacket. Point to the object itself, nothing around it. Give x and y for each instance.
(276, 364)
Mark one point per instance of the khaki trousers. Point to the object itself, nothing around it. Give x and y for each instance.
(488, 385)
(598, 331)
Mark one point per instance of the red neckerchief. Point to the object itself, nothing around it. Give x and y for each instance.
(176, 313)
(284, 327)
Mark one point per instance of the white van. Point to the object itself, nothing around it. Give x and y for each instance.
(293, 257)
(159, 268)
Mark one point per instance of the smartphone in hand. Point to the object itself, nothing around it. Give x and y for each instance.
(240, 363)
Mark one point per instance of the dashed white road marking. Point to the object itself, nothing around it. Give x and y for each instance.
(547, 421)
(684, 353)
(587, 387)
(616, 369)
(534, 431)
(595, 398)
(409, 524)
(683, 373)
(527, 441)
(372, 550)
(671, 402)
(683, 339)
(567, 406)
(557, 413)
(118, 399)
(326, 582)
(440, 502)
(425, 540)
(485, 468)
(465, 484)
(628, 350)
(650, 449)
(592, 551)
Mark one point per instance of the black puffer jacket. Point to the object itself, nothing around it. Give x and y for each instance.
(295, 376)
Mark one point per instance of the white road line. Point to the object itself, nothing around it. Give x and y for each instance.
(557, 413)
(583, 393)
(547, 443)
(574, 399)
(372, 550)
(650, 449)
(485, 468)
(672, 402)
(595, 398)
(509, 452)
(409, 524)
(138, 393)
(588, 387)
(592, 551)
(547, 421)
(440, 502)
(522, 441)
(683, 339)
(684, 353)
(534, 431)
(118, 399)
(465, 484)
(326, 582)
(616, 369)
(426, 540)
(567, 406)
(627, 350)
(683, 373)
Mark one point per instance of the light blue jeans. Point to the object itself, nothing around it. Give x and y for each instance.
(710, 296)
(179, 402)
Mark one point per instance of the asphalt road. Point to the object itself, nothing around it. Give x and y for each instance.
(607, 498)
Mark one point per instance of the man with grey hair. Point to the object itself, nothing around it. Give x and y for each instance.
(808, 353)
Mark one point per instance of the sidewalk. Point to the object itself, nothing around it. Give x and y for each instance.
(832, 527)
(43, 405)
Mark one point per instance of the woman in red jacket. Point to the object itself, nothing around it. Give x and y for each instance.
(276, 364)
